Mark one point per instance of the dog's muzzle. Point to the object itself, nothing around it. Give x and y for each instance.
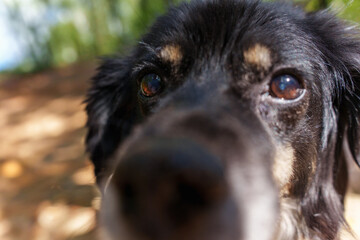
(204, 181)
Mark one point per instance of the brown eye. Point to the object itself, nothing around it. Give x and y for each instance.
(286, 87)
(151, 84)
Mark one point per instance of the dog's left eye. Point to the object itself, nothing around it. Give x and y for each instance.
(285, 87)
(151, 84)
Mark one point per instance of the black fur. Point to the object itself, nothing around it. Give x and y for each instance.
(212, 76)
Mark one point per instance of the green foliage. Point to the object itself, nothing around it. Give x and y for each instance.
(351, 10)
(85, 29)
(347, 9)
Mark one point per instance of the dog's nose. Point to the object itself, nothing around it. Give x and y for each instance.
(166, 182)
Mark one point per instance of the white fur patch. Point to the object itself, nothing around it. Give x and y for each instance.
(292, 225)
(258, 200)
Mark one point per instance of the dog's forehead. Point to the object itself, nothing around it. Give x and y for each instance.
(253, 33)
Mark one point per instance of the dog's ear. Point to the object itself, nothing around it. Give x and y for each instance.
(340, 43)
(350, 113)
(111, 110)
(348, 102)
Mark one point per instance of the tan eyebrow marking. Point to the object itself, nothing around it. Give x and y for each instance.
(171, 53)
(259, 56)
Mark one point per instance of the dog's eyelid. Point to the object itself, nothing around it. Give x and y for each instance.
(142, 66)
(292, 71)
(301, 96)
(141, 71)
(154, 66)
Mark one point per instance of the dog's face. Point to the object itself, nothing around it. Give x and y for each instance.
(227, 122)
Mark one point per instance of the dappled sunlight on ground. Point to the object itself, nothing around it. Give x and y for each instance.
(61, 220)
(46, 182)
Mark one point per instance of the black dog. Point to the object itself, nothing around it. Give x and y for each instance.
(230, 120)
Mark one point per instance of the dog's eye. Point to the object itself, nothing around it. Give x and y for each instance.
(285, 87)
(151, 84)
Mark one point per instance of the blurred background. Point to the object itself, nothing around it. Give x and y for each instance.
(48, 52)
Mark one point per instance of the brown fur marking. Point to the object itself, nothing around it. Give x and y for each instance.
(171, 53)
(259, 56)
(283, 168)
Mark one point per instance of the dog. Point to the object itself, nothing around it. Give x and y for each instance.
(231, 120)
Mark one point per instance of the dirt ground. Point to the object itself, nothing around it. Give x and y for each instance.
(46, 181)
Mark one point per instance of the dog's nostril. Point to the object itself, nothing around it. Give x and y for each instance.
(129, 197)
(187, 201)
(127, 190)
(190, 195)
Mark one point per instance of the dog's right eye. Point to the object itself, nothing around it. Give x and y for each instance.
(286, 87)
(151, 84)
